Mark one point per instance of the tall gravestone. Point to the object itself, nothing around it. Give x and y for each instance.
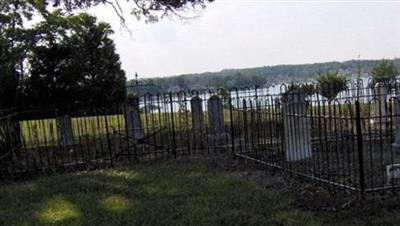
(64, 127)
(216, 130)
(196, 104)
(216, 115)
(297, 127)
(132, 118)
(396, 116)
(380, 93)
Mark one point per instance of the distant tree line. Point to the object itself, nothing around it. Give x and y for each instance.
(262, 76)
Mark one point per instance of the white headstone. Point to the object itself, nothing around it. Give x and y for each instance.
(297, 127)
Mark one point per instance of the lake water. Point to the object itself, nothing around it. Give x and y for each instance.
(271, 93)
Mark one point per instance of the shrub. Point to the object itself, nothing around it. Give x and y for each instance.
(331, 83)
(383, 72)
(307, 89)
(298, 90)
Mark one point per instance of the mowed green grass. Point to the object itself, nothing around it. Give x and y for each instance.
(43, 132)
(151, 194)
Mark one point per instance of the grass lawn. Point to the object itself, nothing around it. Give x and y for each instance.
(150, 194)
(164, 193)
(43, 132)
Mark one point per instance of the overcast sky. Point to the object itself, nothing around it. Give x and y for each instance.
(249, 33)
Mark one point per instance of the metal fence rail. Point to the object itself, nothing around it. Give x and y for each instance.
(146, 128)
(346, 142)
(349, 142)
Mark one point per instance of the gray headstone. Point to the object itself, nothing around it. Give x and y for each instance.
(380, 93)
(196, 104)
(396, 144)
(197, 113)
(132, 119)
(216, 115)
(297, 127)
(393, 172)
(216, 132)
(64, 127)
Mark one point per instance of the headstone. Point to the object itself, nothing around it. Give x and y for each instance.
(380, 93)
(297, 127)
(393, 172)
(217, 133)
(132, 119)
(196, 105)
(216, 115)
(396, 116)
(64, 127)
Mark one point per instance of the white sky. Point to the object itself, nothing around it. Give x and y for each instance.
(249, 33)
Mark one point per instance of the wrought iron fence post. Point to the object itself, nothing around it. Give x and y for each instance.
(172, 124)
(110, 151)
(232, 129)
(360, 149)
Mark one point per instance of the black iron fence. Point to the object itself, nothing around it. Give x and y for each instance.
(349, 142)
(145, 128)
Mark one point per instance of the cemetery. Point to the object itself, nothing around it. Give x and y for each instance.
(193, 146)
(349, 142)
(199, 112)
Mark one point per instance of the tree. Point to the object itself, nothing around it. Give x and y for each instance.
(298, 92)
(306, 89)
(103, 80)
(74, 61)
(383, 72)
(224, 95)
(15, 40)
(8, 76)
(13, 47)
(331, 83)
(151, 11)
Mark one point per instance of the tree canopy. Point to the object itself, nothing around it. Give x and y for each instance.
(331, 83)
(13, 45)
(384, 72)
(67, 54)
(74, 61)
(150, 10)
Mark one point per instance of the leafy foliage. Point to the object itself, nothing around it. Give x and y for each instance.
(151, 11)
(13, 45)
(297, 88)
(74, 60)
(331, 83)
(383, 72)
(224, 95)
(61, 52)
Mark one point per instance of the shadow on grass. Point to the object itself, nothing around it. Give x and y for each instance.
(163, 194)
